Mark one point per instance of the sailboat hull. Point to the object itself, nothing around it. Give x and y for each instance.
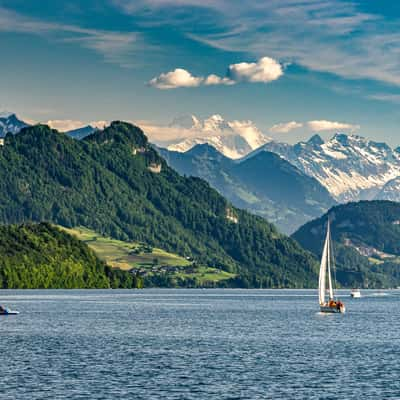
(332, 309)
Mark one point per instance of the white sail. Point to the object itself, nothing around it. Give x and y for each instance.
(328, 234)
(322, 270)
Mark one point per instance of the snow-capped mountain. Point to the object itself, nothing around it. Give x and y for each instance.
(234, 139)
(9, 122)
(349, 166)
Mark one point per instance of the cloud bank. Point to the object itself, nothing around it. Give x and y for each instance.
(285, 127)
(64, 125)
(324, 125)
(265, 70)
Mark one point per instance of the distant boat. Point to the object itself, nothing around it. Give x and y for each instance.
(355, 293)
(7, 311)
(331, 305)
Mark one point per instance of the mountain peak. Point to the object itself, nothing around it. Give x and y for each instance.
(216, 122)
(316, 140)
(204, 148)
(234, 139)
(119, 132)
(346, 139)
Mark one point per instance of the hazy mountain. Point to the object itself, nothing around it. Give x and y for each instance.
(350, 167)
(366, 241)
(115, 183)
(234, 139)
(9, 123)
(264, 184)
(81, 133)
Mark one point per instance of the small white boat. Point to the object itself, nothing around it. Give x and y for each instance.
(355, 293)
(330, 305)
(7, 311)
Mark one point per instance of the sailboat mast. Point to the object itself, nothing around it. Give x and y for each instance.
(328, 237)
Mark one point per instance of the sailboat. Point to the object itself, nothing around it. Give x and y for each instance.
(330, 305)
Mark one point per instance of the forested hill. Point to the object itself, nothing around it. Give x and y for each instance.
(114, 182)
(367, 241)
(42, 256)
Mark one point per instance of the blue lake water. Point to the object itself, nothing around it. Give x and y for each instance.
(198, 344)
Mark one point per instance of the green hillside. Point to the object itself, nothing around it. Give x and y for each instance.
(43, 256)
(366, 239)
(115, 183)
(151, 264)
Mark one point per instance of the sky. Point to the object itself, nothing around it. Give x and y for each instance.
(292, 67)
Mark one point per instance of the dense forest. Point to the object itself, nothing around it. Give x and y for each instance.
(366, 239)
(42, 256)
(115, 183)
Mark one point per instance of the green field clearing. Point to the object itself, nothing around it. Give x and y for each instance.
(206, 274)
(121, 254)
(128, 255)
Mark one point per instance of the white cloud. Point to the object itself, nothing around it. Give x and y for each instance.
(324, 125)
(64, 125)
(217, 80)
(285, 127)
(175, 79)
(265, 70)
(335, 36)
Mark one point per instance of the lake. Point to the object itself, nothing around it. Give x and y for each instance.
(198, 344)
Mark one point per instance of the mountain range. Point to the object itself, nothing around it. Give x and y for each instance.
(264, 184)
(115, 183)
(350, 167)
(10, 123)
(234, 139)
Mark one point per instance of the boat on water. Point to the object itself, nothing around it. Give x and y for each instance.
(7, 311)
(355, 293)
(327, 301)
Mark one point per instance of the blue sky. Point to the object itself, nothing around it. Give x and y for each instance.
(273, 62)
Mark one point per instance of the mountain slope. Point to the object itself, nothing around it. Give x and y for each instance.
(115, 183)
(264, 184)
(42, 256)
(349, 166)
(234, 139)
(81, 133)
(367, 241)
